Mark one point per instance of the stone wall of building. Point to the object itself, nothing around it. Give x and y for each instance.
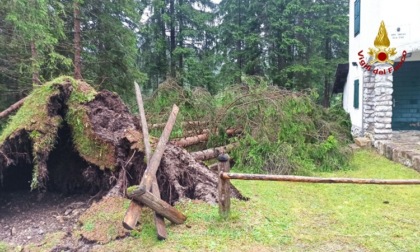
(368, 103)
(377, 103)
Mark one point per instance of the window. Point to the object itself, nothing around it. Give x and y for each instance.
(356, 94)
(356, 17)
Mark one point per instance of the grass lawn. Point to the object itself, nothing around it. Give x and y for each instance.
(283, 216)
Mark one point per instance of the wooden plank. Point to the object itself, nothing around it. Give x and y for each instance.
(223, 187)
(150, 173)
(304, 179)
(157, 205)
(132, 216)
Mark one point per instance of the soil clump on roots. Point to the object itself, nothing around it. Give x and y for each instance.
(68, 143)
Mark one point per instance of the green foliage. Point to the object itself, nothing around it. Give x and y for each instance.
(284, 132)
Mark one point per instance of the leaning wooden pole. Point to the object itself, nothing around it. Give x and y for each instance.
(142, 193)
(15, 106)
(146, 182)
(132, 216)
(134, 211)
(289, 178)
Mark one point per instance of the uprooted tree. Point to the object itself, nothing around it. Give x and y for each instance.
(71, 138)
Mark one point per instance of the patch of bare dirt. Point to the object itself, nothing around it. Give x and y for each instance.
(26, 217)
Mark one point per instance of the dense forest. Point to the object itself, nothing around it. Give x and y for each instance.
(294, 44)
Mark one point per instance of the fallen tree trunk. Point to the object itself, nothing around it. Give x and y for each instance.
(192, 133)
(213, 152)
(188, 141)
(12, 108)
(192, 140)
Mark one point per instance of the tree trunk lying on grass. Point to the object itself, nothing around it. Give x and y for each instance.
(71, 138)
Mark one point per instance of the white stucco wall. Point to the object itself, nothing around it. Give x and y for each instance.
(401, 14)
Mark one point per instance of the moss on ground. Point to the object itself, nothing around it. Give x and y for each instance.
(102, 221)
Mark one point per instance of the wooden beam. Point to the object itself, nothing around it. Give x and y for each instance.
(157, 205)
(289, 178)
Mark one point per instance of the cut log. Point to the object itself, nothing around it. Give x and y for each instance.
(213, 152)
(159, 206)
(203, 137)
(188, 141)
(12, 108)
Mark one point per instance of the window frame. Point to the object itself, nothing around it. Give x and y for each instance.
(356, 93)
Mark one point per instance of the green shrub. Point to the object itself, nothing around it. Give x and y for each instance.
(284, 132)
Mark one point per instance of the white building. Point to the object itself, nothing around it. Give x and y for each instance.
(379, 103)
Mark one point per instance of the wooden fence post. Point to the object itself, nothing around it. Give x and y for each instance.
(224, 186)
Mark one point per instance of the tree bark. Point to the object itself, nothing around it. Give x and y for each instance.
(77, 42)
